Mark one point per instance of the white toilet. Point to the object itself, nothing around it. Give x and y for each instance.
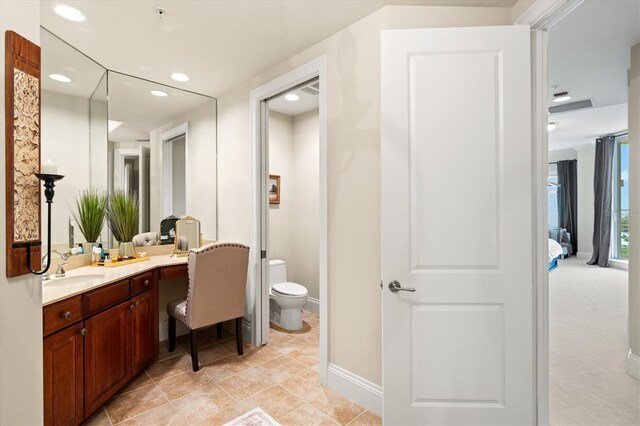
(285, 298)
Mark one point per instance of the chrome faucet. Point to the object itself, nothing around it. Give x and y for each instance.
(60, 272)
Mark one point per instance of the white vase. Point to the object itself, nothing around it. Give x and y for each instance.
(87, 248)
(126, 250)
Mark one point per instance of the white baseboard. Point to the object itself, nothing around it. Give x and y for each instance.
(312, 305)
(619, 264)
(633, 365)
(357, 389)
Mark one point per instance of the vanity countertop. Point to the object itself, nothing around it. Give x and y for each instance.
(57, 289)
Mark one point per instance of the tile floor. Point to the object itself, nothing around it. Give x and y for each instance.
(281, 378)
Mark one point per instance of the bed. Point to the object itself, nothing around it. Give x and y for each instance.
(555, 252)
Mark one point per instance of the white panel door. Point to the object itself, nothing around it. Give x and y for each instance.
(457, 226)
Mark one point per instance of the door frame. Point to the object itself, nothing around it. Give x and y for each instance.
(258, 287)
(119, 155)
(166, 183)
(541, 16)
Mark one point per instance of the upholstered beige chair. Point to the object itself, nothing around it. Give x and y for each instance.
(217, 282)
(146, 239)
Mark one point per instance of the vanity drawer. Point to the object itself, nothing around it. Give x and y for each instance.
(61, 314)
(141, 283)
(102, 298)
(172, 272)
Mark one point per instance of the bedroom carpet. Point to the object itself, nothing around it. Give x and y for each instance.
(588, 341)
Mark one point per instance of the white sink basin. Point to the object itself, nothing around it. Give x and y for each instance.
(74, 279)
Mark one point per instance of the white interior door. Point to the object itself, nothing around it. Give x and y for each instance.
(144, 185)
(457, 226)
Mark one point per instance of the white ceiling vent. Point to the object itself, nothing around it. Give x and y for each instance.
(312, 89)
(572, 106)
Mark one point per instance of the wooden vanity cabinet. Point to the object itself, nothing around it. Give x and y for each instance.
(106, 349)
(143, 344)
(64, 377)
(95, 343)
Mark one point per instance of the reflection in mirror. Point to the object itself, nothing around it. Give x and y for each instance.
(187, 235)
(73, 120)
(162, 150)
(107, 130)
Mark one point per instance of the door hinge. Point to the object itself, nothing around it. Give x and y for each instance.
(263, 254)
(380, 284)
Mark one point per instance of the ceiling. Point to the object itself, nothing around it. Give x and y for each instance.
(131, 103)
(308, 101)
(59, 58)
(219, 44)
(130, 100)
(582, 127)
(589, 58)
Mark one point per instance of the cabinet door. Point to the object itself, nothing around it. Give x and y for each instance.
(63, 377)
(142, 329)
(107, 355)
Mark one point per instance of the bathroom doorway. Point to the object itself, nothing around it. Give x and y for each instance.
(289, 212)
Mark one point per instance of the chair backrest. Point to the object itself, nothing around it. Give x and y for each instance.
(217, 283)
(146, 239)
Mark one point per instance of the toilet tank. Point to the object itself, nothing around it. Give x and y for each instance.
(277, 271)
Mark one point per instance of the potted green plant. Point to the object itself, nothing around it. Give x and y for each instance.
(122, 216)
(90, 213)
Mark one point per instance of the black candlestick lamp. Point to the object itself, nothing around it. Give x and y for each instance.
(49, 183)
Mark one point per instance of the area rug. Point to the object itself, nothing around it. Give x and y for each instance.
(255, 417)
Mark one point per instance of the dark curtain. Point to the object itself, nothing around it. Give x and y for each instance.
(568, 181)
(602, 181)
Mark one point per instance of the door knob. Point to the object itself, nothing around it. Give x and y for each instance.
(395, 287)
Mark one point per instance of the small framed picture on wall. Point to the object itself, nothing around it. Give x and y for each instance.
(274, 189)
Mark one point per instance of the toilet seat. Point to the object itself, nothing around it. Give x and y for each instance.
(290, 289)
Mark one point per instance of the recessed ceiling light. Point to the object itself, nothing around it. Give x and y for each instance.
(561, 97)
(291, 97)
(70, 13)
(158, 93)
(178, 76)
(552, 125)
(59, 77)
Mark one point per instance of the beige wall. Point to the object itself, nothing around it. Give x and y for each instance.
(281, 163)
(201, 172)
(306, 196)
(21, 297)
(353, 135)
(294, 223)
(586, 165)
(634, 202)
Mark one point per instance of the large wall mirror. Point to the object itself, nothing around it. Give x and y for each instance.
(111, 131)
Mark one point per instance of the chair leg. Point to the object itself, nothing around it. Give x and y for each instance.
(172, 333)
(219, 330)
(194, 350)
(239, 335)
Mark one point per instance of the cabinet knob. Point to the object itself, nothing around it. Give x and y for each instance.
(132, 306)
(83, 331)
(146, 282)
(66, 314)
